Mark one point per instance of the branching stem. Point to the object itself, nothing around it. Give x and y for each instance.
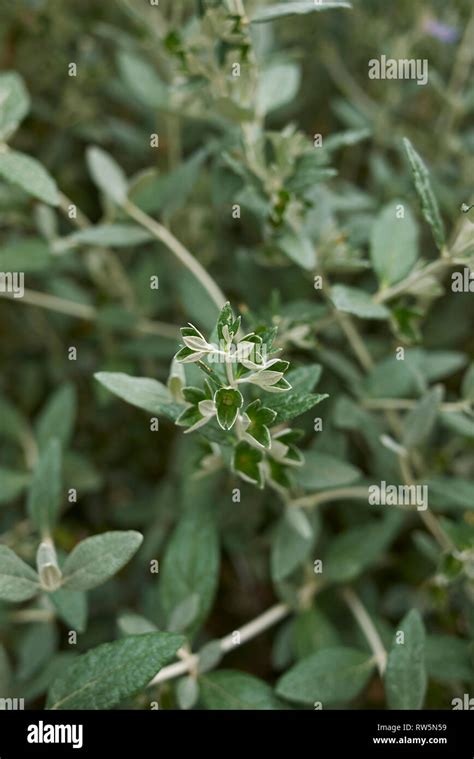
(258, 625)
(367, 626)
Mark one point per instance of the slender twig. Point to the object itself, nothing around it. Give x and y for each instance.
(367, 626)
(430, 521)
(258, 625)
(347, 326)
(80, 220)
(26, 616)
(177, 248)
(338, 494)
(356, 342)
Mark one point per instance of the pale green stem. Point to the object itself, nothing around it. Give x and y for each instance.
(26, 616)
(177, 248)
(258, 625)
(338, 494)
(367, 626)
(430, 521)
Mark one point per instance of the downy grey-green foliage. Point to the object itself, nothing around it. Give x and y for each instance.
(225, 222)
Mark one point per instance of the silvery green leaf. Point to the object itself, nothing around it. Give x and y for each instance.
(176, 381)
(277, 86)
(184, 614)
(405, 677)
(391, 378)
(467, 386)
(292, 544)
(191, 565)
(393, 243)
(143, 392)
(44, 499)
(46, 222)
(169, 192)
(209, 656)
(459, 423)
(348, 137)
(115, 235)
(357, 302)
(27, 173)
(14, 103)
(196, 344)
(312, 631)
(438, 364)
(14, 424)
(298, 247)
(189, 355)
(226, 689)
(109, 674)
(134, 624)
(18, 581)
(71, 606)
(429, 204)
(420, 421)
(353, 551)
(302, 380)
(187, 692)
(300, 398)
(57, 418)
(321, 471)
(228, 401)
(107, 175)
(294, 403)
(94, 560)
(451, 493)
(331, 676)
(280, 10)
(142, 80)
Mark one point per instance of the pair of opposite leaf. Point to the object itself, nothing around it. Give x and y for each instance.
(246, 360)
(92, 562)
